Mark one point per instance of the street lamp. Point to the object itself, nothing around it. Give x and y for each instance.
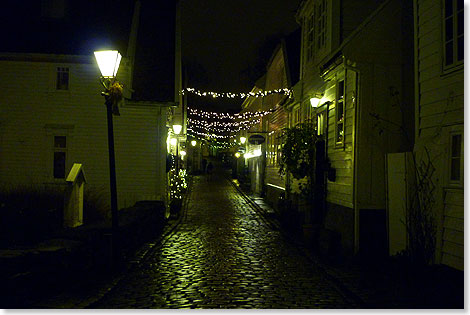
(243, 140)
(108, 62)
(193, 166)
(177, 130)
(316, 99)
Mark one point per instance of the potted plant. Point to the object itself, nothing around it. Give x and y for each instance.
(298, 159)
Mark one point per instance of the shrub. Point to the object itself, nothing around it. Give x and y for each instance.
(30, 213)
(95, 206)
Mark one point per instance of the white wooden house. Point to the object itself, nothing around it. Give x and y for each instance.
(357, 58)
(52, 115)
(439, 99)
(281, 72)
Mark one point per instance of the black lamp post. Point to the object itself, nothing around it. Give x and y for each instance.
(108, 62)
(193, 144)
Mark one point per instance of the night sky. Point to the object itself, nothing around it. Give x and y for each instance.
(226, 44)
(224, 41)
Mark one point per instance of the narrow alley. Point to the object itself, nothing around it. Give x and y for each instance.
(223, 255)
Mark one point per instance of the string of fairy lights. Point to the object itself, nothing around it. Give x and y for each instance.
(283, 91)
(220, 128)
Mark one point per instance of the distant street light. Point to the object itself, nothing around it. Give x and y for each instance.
(177, 130)
(108, 62)
(193, 159)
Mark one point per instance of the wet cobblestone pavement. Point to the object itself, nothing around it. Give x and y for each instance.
(224, 255)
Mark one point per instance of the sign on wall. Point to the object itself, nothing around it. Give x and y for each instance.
(256, 139)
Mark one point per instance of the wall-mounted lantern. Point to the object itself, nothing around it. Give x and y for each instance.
(315, 100)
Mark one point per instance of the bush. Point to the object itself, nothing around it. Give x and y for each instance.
(96, 206)
(30, 214)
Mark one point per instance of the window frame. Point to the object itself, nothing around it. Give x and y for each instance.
(340, 100)
(321, 22)
(58, 149)
(310, 36)
(457, 131)
(455, 37)
(62, 70)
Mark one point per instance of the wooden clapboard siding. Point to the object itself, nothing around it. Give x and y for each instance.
(453, 229)
(276, 78)
(273, 177)
(341, 190)
(440, 106)
(433, 86)
(30, 105)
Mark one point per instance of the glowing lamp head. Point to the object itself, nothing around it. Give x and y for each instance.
(108, 62)
(315, 101)
(237, 155)
(242, 140)
(183, 153)
(193, 143)
(173, 141)
(177, 129)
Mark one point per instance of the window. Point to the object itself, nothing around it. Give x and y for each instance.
(453, 32)
(310, 37)
(456, 159)
(321, 24)
(297, 115)
(62, 82)
(340, 112)
(60, 155)
(321, 123)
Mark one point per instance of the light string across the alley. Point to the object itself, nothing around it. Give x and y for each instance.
(215, 115)
(284, 91)
(214, 125)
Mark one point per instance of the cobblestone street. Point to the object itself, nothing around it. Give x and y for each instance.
(224, 255)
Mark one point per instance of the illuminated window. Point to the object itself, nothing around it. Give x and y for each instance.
(456, 160)
(60, 155)
(340, 112)
(62, 82)
(453, 32)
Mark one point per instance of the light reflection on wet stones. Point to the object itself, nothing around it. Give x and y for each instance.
(224, 256)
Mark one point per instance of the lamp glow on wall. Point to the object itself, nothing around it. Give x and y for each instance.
(108, 62)
(256, 153)
(315, 100)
